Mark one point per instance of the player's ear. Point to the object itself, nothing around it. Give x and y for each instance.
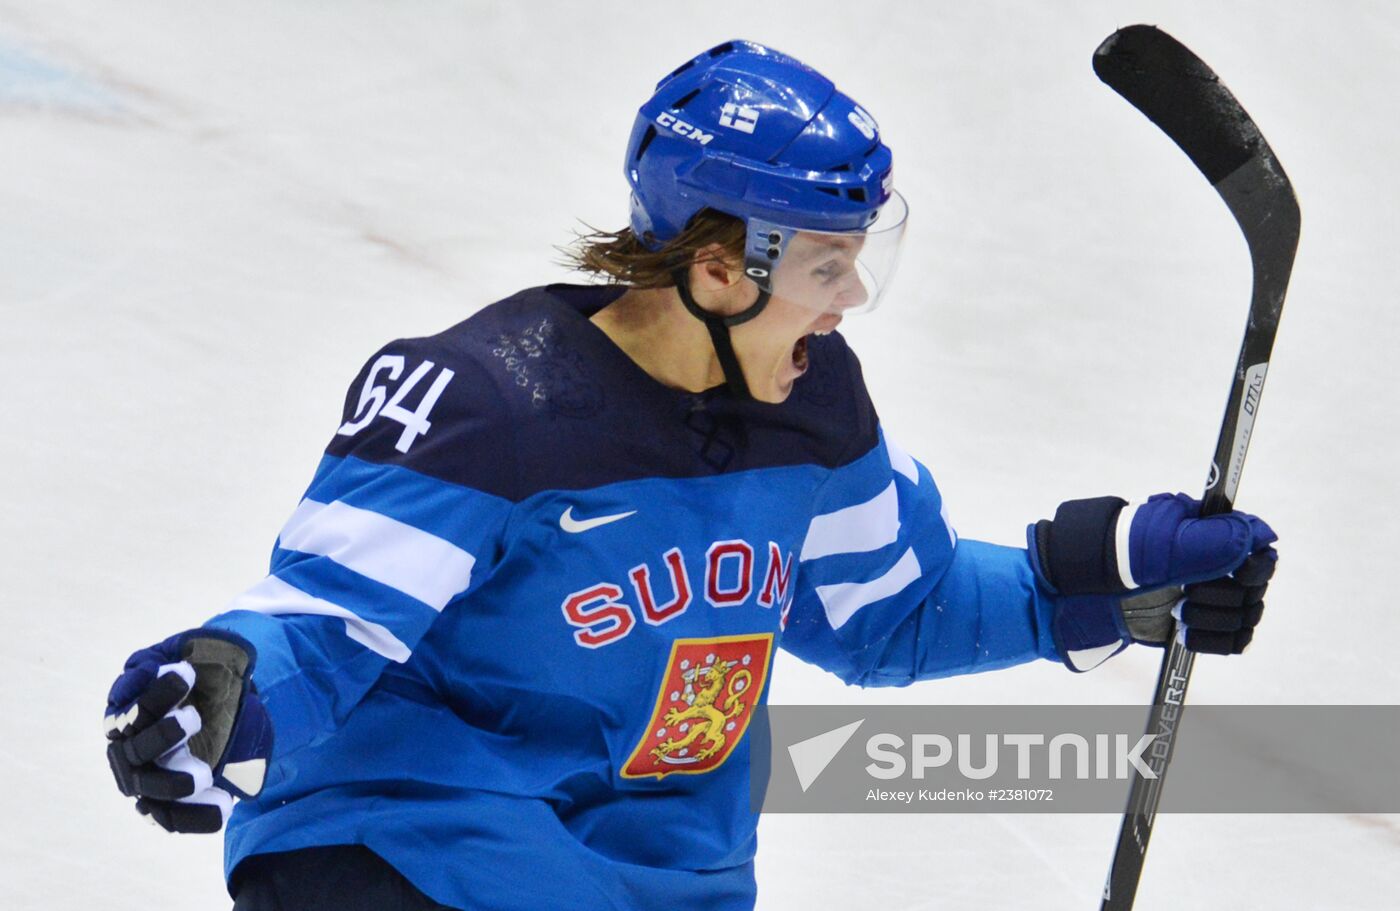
(713, 269)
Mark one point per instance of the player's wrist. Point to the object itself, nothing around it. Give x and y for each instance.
(1076, 552)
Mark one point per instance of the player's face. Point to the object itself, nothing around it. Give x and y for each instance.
(818, 272)
(815, 283)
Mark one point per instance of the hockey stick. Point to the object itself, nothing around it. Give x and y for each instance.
(1183, 96)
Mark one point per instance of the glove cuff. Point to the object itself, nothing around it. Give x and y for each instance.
(1088, 630)
(1076, 553)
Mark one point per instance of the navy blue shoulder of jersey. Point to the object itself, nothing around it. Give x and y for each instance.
(529, 395)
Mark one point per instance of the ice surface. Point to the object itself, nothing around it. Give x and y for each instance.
(211, 213)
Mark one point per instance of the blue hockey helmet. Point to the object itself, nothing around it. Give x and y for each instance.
(753, 133)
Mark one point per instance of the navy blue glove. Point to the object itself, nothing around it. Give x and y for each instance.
(186, 730)
(1121, 573)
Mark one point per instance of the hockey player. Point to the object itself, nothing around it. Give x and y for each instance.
(514, 634)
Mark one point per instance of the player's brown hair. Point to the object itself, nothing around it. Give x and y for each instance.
(620, 258)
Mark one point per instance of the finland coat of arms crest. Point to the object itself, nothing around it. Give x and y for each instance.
(707, 696)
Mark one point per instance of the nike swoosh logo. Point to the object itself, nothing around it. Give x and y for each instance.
(574, 526)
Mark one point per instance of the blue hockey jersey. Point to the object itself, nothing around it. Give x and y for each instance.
(514, 634)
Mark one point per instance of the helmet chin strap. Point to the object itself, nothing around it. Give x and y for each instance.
(719, 332)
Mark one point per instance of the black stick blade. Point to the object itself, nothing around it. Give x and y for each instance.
(1159, 76)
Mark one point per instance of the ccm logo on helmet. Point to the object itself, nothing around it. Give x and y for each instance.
(681, 128)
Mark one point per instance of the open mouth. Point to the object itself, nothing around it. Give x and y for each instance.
(824, 326)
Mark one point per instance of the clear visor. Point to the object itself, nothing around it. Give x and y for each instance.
(828, 271)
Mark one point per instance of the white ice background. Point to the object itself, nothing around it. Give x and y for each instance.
(210, 213)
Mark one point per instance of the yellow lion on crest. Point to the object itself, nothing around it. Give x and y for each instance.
(708, 721)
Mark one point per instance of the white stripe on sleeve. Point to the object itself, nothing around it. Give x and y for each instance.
(947, 523)
(274, 597)
(843, 599)
(1120, 544)
(856, 529)
(901, 461)
(390, 552)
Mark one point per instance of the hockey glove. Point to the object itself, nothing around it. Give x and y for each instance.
(186, 730)
(1121, 573)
